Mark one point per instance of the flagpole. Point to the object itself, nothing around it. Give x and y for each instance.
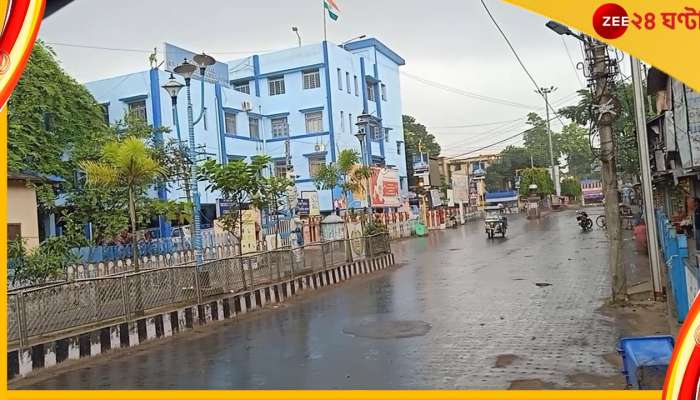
(324, 21)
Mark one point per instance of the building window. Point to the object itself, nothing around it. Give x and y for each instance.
(243, 87)
(276, 86)
(230, 123)
(105, 112)
(138, 109)
(350, 122)
(376, 133)
(398, 148)
(386, 134)
(370, 92)
(342, 121)
(340, 79)
(281, 168)
(347, 81)
(254, 128)
(356, 87)
(279, 127)
(14, 231)
(312, 79)
(315, 163)
(314, 122)
(383, 88)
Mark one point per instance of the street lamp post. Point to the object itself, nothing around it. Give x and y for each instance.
(361, 135)
(544, 92)
(186, 70)
(296, 30)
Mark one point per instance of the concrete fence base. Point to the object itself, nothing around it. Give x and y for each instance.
(95, 341)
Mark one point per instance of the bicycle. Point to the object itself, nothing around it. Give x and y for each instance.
(600, 221)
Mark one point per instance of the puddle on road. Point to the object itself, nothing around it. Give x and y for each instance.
(505, 360)
(388, 329)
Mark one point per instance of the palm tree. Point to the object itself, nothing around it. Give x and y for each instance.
(128, 164)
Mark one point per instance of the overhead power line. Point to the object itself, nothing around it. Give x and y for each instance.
(571, 60)
(465, 93)
(145, 51)
(517, 57)
(474, 125)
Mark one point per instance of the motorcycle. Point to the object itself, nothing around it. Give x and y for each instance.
(584, 221)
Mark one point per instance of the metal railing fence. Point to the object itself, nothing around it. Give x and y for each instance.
(38, 312)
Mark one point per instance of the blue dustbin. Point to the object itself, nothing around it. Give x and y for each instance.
(645, 360)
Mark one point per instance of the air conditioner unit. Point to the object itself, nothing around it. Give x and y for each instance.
(246, 106)
(320, 147)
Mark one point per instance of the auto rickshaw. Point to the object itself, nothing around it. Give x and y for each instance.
(495, 222)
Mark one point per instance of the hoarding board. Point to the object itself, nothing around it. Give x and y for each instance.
(460, 186)
(435, 199)
(314, 207)
(384, 188)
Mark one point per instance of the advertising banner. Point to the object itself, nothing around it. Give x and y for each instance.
(435, 197)
(460, 187)
(314, 207)
(385, 188)
(248, 239)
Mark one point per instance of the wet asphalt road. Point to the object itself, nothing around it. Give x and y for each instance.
(461, 311)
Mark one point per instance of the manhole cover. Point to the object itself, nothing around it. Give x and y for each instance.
(388, 329)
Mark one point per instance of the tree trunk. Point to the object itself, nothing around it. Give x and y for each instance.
(134, 239)
(188, 194)
(138, 306)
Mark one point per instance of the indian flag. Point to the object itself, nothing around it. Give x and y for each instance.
(332, 8)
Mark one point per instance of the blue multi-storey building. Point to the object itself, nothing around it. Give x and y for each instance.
(307, 97)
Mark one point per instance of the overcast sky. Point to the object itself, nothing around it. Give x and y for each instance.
(452, 42)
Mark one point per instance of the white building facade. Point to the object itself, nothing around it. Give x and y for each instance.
(307, 98)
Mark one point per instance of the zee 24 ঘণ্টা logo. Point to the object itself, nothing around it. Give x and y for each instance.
(611, 20)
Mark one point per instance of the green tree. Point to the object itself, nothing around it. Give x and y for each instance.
(626, 149)
(571, 187)
(239, 183)
(417, 140)
(129, 164)
(40, 264)
(326, 178)
(271, 195)
(353, 176)
(536, 140)
(574, 144)
(539, 177)
(501, 174)
(53, 121)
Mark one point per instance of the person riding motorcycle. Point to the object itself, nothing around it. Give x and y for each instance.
(583, 220)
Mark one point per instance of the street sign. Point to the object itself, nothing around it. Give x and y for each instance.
(303, 206)
(223, 206)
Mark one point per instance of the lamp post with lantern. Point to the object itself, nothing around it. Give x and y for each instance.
(187, 69)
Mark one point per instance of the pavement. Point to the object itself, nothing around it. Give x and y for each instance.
(459, 311)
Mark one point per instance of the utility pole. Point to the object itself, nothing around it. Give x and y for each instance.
(544, 92)
(640, 120)
(602, 71)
